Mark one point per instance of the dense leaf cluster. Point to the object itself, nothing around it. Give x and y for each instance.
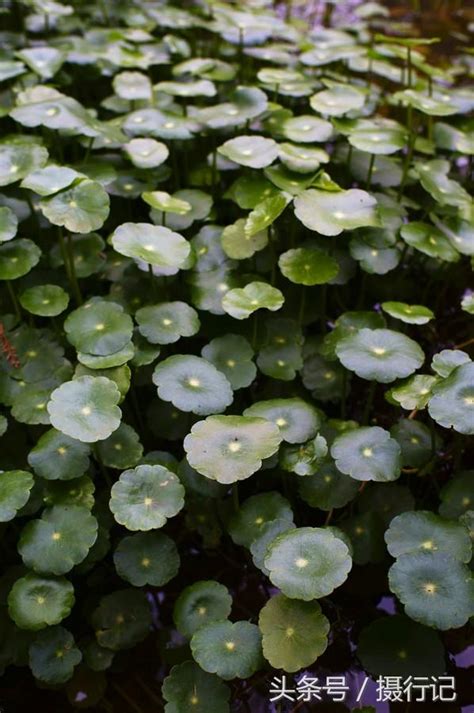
(235, 328)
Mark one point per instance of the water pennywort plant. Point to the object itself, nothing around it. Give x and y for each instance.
(236, 374)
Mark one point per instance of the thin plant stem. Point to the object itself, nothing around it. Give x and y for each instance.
(126, 697)
(72, 264)
(370, 171)
(16, 305)
(302, 306)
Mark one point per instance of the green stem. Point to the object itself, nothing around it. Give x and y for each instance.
(89, 149)
(369, 172)
(16, 306)
(72, 266)
(152, 279)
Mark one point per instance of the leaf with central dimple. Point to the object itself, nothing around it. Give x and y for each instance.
(331, 212)
(122, 619)
(294, 634)
(86, 408)
(397, 646)
(167, 322)
(44, 300)
(252, 151)
(15, 487)
(36, 602)
(240, 244)
(53, 655)
(436, 589)
(59, 541)
(380, 354)
(17, 161)
(411, 314)
(160, 200)
(297, 420)
(17, 258)
(8, 224)
(246, 524)
(146, 153)
(308, 563)
(192, 383)
(338, 100)
(307, 129)
(200, 604)
(188, 687)
(147, 558)
(232, 650)
(81, 209)
(240, 303)
(51, 179)
(232, 355)
(452, 400)
(424, 531)
(231, 448)
(145, 497)
(99, 328)
(153, 244)
(367, 453)
(308, 266)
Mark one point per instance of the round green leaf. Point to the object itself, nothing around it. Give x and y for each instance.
(423, 531)
(99, 328)
(59, 541)
(252, 151)
(367, 454)
(435, 589)
(50, 179)
(44, 300)
(147, 558)
(429, 241)
(146, 153)
(17, 258)
(308, 563)
(308, 266)
(239, 243)
(200, 604)
(307, 129)
(328, 488)
(122, 449)
(240, 303)
(8, 224)
(329, 213)
(86, 408)
(192, 383)
(167, 322)
(457, 496)
(230, 448)
(155, 245)
(380, 354)
(188, 687)
(53, 655)
(297, 420)
(145, 497)
(81, 209)
(447, 360)
(15, 487)
(294, 634)
(452, 401)
(232, 355)
(232, 650)
(245, 525)
(36, 602)
(18, 160)
(411, 314)
(414, 392)
(122, 619)
(397, 646)
(166, 203)
(338, 100)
